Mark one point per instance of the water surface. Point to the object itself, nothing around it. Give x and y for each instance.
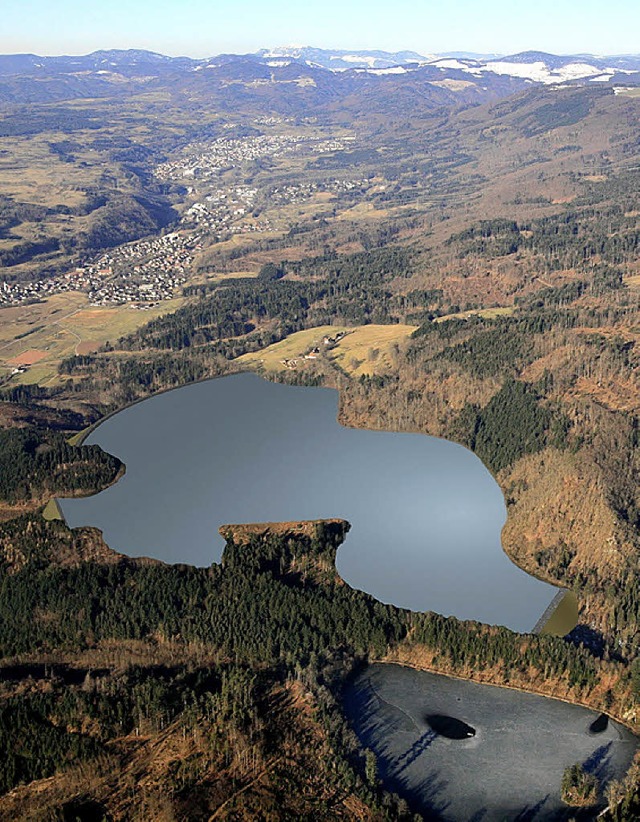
(426, 515)
(508, 765)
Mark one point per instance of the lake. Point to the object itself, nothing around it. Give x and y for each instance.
(426, 515)
(460, 750)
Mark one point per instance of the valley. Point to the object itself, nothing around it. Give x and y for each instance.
(456, 252)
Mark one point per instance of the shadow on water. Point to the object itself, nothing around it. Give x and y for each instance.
(599, 763)
(364, 708)
(377, 721)
(417, 749)
(449, 726)
(408, 719)
(530, 813)
(427, 796)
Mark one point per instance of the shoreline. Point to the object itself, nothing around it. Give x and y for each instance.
(634, 729)
(544, 618)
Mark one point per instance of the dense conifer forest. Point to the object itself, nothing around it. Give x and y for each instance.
(35, 464)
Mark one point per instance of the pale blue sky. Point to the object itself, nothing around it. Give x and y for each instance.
(201, 28)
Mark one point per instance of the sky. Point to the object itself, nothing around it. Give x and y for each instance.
(202, 28)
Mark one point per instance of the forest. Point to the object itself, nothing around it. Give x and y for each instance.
(332, 289)
(35, 464)
(275, 606)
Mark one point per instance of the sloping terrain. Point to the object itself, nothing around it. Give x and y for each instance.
(501, 224)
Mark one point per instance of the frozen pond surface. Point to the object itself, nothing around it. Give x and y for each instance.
(426, 515)
(509, 769)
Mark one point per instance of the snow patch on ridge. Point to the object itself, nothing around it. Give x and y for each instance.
(356, 58)
(451, 64)
(541, 73)
(392, 70)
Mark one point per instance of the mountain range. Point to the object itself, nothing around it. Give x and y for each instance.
(299, 80)
(537, 66)
(533, 66)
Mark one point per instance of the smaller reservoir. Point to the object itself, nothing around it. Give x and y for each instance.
(459, 750)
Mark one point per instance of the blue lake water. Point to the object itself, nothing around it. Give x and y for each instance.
(426, 515)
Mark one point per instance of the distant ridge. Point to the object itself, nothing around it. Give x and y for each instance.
(94, 72)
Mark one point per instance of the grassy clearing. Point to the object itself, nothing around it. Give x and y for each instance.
(486, 313)
(64, 325)
(76, 439)
(284, 216)
(52, 511)
(233, 243)
(106, 323)
(219, 277)
(363, 211)
(294, 346)
(23, 321)
(632, 282)
(369, 349)
(32, 172)
(366, 349)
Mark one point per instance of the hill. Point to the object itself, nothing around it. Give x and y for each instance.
(477, 236)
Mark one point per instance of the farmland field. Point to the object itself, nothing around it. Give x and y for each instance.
(63, 325)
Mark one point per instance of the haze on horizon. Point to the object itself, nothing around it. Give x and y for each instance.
(199, 28)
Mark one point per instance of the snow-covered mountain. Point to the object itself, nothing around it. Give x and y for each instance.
(130, 62)
(540, 67)
(535, 66)
(342, 60)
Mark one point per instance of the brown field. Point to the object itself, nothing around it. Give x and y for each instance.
(363, 211)
(294, 346)
(31, 172)
(616, 394)
(220, 276)
(87, 347)
(23, 320)
(28, 358)
(369, 349)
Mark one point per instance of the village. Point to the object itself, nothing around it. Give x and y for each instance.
(204, 161)
(226, 211)
(150, 270)
(143, 272)
(293, 193)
